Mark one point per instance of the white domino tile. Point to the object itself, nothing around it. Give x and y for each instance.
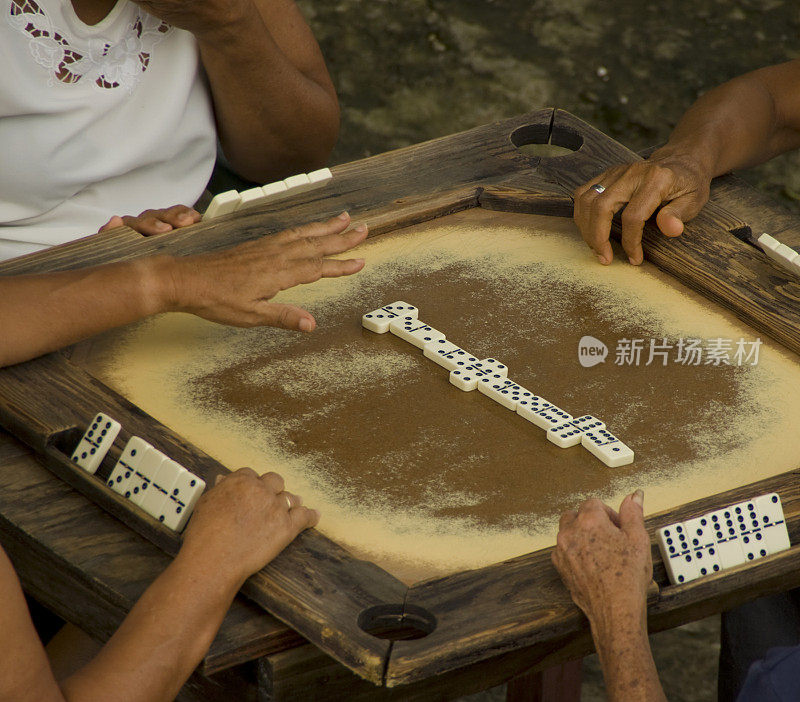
(753, 545)
(565, 435)
(549, 417)
(492, 366)
(181, 501)
(378, 320)
(730, 552)
(602, 444)
(707, 560)
(95, 443)
(122, 476)
(530, 408)
(414, 331)
(222, 204)
(588, 423)
(320, 177)
(438, 352)
(458, 359)
(272, 192)
(250, 198)
(143, 475)
(162, 485)
(466, 378)
(500, 390)
(783, 255)
(297, 184)
(773, 524)
(679, 561)
(699, 532)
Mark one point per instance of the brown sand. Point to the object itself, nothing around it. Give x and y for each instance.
(423, 478)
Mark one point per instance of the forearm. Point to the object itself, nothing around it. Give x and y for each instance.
(273, 119)
(741, 123)
(624, 651)
(52, 310)
(163, 638)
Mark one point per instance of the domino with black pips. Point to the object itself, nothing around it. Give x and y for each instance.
(679, 561)
(122, 475)
(549, 417)
(95, 442)
(569, 433)
(438, 352)
(378, 320)
(726, 535)
(491, 366)
(466, 378)
(182, 498)
(602, 444)
(529, 408)
(564, 435)
(458, 359)
(161, 486)
(414, 331)
(773, 523)
(143, 475)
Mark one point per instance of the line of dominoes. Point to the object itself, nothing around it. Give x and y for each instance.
(149, 479)
(723, 539)
(490, 377)
(234, 201)
(785, 256)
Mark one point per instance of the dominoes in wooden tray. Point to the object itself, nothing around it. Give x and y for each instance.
(155, 483)
(723, 539)
(95, 443)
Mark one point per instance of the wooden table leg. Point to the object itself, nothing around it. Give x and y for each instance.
(561, 683)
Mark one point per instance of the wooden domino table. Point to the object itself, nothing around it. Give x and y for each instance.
(408, 631)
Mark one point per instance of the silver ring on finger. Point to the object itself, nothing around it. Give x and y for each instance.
(598, 188)
(289, 502)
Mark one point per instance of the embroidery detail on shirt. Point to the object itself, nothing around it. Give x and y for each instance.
(106, 65)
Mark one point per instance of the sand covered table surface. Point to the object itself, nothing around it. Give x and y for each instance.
(423, 478)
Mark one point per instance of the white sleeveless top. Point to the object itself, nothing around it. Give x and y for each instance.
(95, 121)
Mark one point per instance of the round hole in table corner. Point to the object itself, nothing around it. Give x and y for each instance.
(536, 140)
(397, 622)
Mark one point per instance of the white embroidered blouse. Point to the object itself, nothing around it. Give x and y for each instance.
(113, 118)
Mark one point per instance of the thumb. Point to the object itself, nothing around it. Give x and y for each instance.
(631, 513)
(674, 214)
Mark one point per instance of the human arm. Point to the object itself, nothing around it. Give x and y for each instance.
(48, 311)
(237, 527)
(604, 559)
(748, 120)
(276, 108)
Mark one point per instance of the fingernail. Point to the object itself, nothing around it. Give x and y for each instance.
(345, 215)
(603, 260)
(638, 497)
(306, 325)
(163, 226)
(361, 228)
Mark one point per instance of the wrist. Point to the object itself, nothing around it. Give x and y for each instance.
(695, 156)
(618, 623)
(158, 289)
(204, 565)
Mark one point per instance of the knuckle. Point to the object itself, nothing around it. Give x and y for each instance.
(632, 216)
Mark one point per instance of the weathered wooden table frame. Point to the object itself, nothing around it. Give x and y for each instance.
(510, 615)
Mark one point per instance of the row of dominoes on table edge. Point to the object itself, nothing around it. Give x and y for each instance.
(151, 480)
(490, 377)
(234, 201)
(723, 539)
